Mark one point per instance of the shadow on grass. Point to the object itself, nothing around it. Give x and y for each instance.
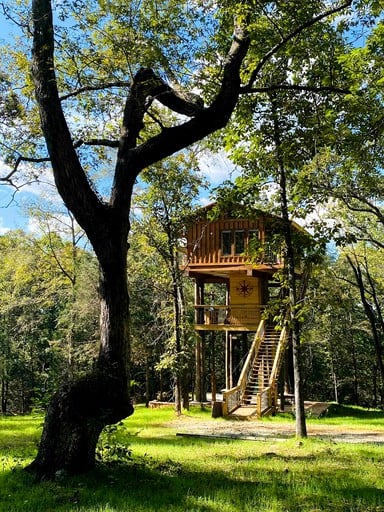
(336, 411)
(264, 483)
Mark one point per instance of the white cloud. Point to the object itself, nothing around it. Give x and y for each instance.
(216, 167)
(3, 229)
(33, 227)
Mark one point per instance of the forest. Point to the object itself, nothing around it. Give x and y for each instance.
(50, 325)
(118, 105)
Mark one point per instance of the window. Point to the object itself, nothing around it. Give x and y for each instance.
(226, 243)
(239, 242)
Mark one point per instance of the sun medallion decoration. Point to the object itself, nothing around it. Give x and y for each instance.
(244, 288)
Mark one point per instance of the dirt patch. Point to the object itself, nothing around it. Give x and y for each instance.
(263, 430)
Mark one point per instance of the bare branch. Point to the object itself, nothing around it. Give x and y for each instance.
(19, 160)
(96, 142)
(100, 87)
(369, 207)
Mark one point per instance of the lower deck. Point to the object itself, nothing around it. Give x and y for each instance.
(238, 317)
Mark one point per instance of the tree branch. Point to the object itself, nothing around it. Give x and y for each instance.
(96, 142)
(100, 87)
(208, 120)
(288, 87)
(370, 208)
(132, 159)
(289, 37)
(19, 160)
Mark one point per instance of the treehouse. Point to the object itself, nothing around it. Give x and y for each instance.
(234, 260)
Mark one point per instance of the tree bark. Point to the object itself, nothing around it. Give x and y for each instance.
(81, 409)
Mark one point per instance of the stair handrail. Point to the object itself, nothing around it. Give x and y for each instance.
(239, 389)
(265, 400)
(281, 346)
(248, 364)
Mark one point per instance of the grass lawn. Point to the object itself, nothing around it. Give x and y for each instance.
(167, 473)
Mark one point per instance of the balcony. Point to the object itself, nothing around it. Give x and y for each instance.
(239, 317)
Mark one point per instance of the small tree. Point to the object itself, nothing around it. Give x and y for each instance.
(165, 204)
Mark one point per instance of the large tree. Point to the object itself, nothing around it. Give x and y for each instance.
(81, 408)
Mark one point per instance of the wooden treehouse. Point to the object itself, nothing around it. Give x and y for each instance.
(233, 261)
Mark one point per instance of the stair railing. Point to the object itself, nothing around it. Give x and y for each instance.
(281, 346)
(232, 397)
(264, 400)
(267, 398)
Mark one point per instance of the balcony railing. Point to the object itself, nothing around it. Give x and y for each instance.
(239, 314)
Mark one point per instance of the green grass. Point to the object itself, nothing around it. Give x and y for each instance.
(177, 474)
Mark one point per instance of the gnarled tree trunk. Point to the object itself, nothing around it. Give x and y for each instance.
(80, 410)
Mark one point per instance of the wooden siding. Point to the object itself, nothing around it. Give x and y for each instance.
(252, 298)
(204, 240)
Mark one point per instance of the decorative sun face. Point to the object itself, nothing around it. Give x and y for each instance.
(243, 288)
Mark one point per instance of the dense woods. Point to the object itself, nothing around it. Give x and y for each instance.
(49, 328)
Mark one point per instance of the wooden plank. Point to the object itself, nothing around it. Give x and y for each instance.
(239, 437)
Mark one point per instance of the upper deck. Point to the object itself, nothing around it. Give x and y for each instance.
(227, 245)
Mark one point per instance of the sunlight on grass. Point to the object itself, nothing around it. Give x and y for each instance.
(175, 474)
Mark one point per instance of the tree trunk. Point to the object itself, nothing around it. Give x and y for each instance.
(213, 366)
(81, 409)
(301, 429)
(147, 380)
(4, 395)
(185, 389)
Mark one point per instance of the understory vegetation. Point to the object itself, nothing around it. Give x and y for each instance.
(145, 467)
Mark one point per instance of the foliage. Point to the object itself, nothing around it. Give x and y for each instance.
(339, 352)
(37, 297)
(98, 51)
(110, 450)
(163, 204)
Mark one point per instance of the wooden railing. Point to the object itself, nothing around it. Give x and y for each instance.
(238, 314)
(266, 399)
(281, 346)
(232, 397)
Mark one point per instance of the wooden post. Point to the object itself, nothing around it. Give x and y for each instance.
(230, 361)
(198, 350)
(227, 360)
(213, 366)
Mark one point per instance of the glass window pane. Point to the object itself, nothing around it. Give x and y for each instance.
(226, 243)
(239, 242)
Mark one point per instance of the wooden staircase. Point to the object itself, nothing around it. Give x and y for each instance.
(256, 390)
(261, 372)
